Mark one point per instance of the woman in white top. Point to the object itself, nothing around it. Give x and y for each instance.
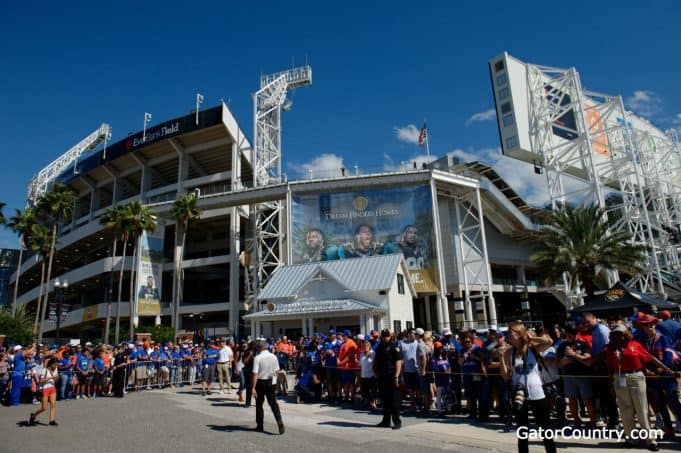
(47, 379)
(368, 382)
(520, 364)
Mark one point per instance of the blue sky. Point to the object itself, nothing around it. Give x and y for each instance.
(379, 69)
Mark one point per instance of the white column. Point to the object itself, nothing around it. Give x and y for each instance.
(234, 267)
(442, 311)
(304, 321)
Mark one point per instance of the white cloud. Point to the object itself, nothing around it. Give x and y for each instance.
(487, 115)
(520, 176)
(418, 159)
(409, 134)
(645, 103)
(323, 166)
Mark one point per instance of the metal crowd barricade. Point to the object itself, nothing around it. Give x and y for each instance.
(151, 374)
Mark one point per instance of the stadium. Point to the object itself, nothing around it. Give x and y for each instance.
(465, 236)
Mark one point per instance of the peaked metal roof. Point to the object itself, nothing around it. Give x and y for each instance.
(357, 274)
(342, 306)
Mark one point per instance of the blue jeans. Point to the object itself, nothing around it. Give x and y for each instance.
(17, 382)
(64, 386)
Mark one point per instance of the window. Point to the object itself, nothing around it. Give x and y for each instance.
(502, 79)
(507, 120)
(400, 283)
(511, 142)
(409, 325)
(499, 66)
(397, 326)
(503, 94)
(505, 108)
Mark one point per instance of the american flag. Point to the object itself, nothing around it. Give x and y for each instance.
(423, 136)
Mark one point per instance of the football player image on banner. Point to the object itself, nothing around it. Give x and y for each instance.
(149, 273)
(358, 224)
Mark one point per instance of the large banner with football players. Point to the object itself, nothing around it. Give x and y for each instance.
(361, 223)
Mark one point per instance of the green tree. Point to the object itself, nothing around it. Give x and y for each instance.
(21, 223)
(576, 242)
(38, 241)
(56, 205)
(114, 220)
(16, 325)
(185, 211)
(141, 219)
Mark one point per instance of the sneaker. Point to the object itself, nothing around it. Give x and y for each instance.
(54, 423)
(148, 387)
(281, 428)
(653, 446)
(221, 392)
(35, 402)
(31, 420)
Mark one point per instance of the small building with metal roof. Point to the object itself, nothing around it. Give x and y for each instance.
(359, 294)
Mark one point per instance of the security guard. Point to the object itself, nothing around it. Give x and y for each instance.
(387, 368)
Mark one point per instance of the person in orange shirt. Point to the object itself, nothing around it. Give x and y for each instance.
(347, 362)
(284, 346)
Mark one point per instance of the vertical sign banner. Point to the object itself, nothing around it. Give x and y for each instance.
(356, 224)
(150, 272)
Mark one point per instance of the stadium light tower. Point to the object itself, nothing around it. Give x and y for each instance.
(268, 103)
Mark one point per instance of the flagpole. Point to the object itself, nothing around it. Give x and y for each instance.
(427, 134)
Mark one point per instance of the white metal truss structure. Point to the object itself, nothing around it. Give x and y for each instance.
(269, 101)
(471, 247)
(41, 181)
(607, 153)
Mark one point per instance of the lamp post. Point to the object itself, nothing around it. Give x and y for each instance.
(60, 293)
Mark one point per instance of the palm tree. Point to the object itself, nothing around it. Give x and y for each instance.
(57, 205)
(141, 219)
(112, 220)
(21, 223)
(38, 240)
(123, 222)
(185, 211)
(577, 243)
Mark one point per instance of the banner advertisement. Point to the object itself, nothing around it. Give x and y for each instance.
(149, 272)
(346, 225)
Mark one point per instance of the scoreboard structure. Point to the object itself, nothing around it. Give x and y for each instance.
(545, 117)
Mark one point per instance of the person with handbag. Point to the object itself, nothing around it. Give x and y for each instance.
(47, 391)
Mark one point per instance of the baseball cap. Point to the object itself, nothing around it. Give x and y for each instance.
(419, 331)
(493, 328)
(437, 344)
(360, 337)
(18, 347)
(647, 319)
(375, 334)
(620, 328)
(446, 331)
(346, 332)
(332, 331)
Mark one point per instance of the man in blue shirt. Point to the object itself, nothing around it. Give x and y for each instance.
(18, 370)
(600, 337)
(65, 370)
(176, 368)
(209, 368)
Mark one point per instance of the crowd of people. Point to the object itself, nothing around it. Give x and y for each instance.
(589, 373)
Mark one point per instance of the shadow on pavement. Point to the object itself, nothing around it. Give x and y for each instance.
(233, 428)
(340, 424)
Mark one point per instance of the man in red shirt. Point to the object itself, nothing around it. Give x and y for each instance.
(347, 363)
(626, 359)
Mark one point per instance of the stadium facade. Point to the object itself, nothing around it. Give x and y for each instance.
(467, 270)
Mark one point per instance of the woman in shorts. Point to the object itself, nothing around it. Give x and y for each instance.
(47, 380)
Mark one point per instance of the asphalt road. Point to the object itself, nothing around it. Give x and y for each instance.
(176, 420)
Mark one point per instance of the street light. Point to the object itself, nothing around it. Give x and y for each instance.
(60, 293)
